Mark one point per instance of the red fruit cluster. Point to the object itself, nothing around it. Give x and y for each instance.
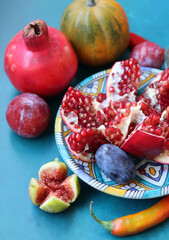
(118, 118)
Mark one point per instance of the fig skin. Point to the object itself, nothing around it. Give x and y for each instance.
(54, 205)
(54, 191)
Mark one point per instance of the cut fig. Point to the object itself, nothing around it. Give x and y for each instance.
(123, 80)
(54, 204)
(72, 186)
(37, 191)
(53, 173)
(60, 199)
(54, 191)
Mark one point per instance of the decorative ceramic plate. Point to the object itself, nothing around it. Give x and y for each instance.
(151, 179)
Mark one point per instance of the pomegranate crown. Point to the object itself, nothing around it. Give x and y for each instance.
(35, 35)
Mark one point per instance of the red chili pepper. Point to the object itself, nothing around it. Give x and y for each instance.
(136, 39)
(138, 222)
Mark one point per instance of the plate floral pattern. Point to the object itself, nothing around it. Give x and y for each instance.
(151, 179)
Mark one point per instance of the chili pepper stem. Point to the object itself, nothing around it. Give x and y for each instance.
(107, 225)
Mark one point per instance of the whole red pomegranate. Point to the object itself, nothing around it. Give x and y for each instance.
(40, 59)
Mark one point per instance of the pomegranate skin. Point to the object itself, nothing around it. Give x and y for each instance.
(43, 63)
(28, 115)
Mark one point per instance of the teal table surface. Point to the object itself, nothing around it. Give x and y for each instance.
(20, 158)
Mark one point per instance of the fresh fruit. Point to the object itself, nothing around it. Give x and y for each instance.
(54, 191)
(115, 163)
(37, 191)
(156, 94)
(40, 59)
(137, 125)
(123, 80)
(52, 173)
(135, 39)
(148, 54)
(95, 122)
(84, 144)
(99, 120)
(28, 115)
(103, 28)
(151, 138)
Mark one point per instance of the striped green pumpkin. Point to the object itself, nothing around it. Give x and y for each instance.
(97, 29)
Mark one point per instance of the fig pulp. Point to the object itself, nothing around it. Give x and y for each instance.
(54, 191)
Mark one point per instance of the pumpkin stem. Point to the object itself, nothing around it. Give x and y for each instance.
(91, 3)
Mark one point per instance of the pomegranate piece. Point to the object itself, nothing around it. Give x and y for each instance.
(96, 121)
(123, 80)
(143, 144)
(77, 110)
(28, 115)
(148, 54)
(83, 111)
(156, 94)
(85, 143)
(54, 191)
(40, 59)
(150, 139)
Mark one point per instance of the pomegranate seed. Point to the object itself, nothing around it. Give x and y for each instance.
(111, 89)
